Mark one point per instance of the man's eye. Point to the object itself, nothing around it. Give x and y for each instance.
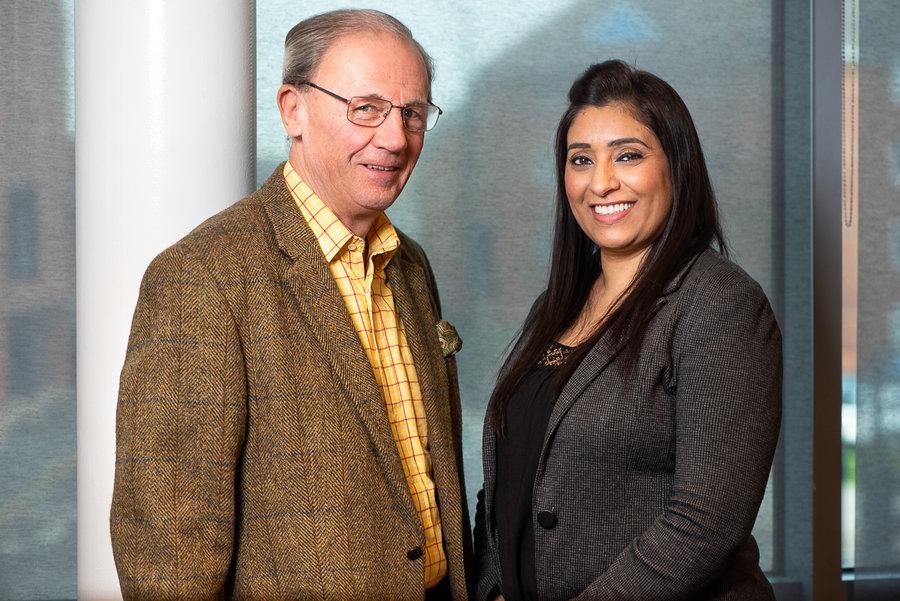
(366, 108)
(412, 112)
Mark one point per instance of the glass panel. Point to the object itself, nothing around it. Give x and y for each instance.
(37, 301)
(877, 449)
(481, 197)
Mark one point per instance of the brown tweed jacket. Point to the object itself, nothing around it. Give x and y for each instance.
(254, 458)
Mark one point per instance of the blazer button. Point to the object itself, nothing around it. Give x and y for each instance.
(547, 519)
(414, 553)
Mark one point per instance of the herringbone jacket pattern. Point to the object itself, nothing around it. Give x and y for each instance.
(254, 457)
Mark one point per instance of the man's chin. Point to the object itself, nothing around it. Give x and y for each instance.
(378, 204)
(379, 198)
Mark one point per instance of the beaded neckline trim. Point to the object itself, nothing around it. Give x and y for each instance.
(555, 355)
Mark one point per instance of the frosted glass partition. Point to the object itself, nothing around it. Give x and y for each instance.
(37, 302)
(877, 458)
(480, 200)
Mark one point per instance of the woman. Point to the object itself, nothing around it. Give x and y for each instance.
(629, 439)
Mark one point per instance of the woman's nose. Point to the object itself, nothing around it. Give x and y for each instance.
(604, 179)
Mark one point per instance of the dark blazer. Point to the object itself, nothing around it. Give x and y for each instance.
(651, 483)
(254, 457)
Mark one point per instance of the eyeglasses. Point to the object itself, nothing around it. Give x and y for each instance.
(369, 111)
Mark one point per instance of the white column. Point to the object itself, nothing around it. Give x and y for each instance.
(165, 137)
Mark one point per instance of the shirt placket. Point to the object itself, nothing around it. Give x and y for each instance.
(362, 291)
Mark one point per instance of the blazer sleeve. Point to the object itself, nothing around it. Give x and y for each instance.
(728, 377)
(179, 430)
(488, 580)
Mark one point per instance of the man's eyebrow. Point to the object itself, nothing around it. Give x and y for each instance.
(623, 141)
(380, 97)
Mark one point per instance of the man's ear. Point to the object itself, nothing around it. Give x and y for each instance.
(292, 106)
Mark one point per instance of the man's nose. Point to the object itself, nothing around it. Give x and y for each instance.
(391, 135)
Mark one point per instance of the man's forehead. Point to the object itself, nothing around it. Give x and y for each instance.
(375, 64)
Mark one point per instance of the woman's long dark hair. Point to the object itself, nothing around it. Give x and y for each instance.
(692, 225)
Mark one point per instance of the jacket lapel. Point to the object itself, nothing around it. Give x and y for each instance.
(590, 368)
(310, 281)
(597, 360)
(410, 291)
(409, 286)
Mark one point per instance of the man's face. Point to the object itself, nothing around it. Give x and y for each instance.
(359, 171)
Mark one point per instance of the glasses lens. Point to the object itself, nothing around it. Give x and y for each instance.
(367, 111)
(415, 117)
(432, 118)
(371, 112)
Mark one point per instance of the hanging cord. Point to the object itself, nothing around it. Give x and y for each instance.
(850, 110)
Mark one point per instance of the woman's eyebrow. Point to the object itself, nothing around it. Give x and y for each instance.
(622, 141)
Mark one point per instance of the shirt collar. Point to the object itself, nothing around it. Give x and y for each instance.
(332, 235)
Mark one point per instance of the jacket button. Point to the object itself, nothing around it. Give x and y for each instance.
(414, 553)
(547, 519)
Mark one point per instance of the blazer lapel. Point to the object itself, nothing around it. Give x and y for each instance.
(409, 287)
(593, 364)
(415, 309)
(323, 309)
(597, 360)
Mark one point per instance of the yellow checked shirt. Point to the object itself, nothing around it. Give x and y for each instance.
(360, 278)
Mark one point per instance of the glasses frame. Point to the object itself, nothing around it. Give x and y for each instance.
(349, 101)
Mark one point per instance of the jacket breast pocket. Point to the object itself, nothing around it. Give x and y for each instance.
(651, 427)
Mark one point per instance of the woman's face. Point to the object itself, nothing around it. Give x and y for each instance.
(617, 180)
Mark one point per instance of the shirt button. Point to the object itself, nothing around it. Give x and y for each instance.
(547, 519)
(414, 553)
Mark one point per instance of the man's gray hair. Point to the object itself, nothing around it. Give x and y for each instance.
(308, 40)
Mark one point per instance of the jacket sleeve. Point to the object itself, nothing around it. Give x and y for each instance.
(728, 376)
(179, 431)
(488, 580)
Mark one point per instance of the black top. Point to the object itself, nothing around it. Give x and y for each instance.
(518, 452)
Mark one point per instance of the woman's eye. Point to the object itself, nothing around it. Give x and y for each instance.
(580, 160)
(628, 157)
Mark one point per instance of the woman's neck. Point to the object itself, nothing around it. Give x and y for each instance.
(618, 271)
(616, 274)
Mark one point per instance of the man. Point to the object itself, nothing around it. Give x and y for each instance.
(288, 423)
